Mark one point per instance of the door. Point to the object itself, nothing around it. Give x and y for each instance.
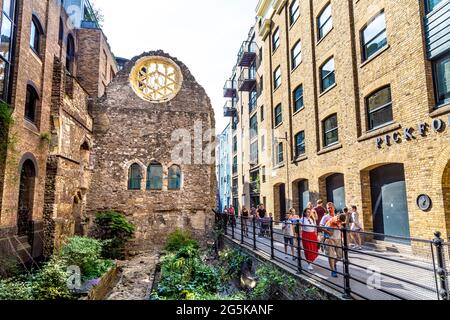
(336, 191)
(282, 194)
(303, 195)
(389, 201)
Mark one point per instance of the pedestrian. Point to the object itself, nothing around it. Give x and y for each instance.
(288, 234)
(356, 228)
(320, 211)
(314, 215)
(232, 216)
(261, 212)
(309, 238)
(333, 244)
(295, 218)
(348, 221)
(323, 236)
(225, 216)
(245, 214)
(260, 215)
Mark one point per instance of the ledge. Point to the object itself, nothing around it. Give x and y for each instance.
(441, 110)
(377, 132)
(373, 57)
(334, 147)
(328, 90)
(300, 159)
(324, 37)
(279, 166)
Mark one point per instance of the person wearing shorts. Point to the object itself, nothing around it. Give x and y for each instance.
(333, 244)
(288, 234)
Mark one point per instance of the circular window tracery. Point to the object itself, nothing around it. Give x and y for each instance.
(156, 79)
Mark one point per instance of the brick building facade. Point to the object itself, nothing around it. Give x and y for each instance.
(45, 164)
(351, 107)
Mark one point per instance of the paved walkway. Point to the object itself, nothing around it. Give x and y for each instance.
(398, 276)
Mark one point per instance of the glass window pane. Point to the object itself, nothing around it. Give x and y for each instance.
(325, 22)
(331, 123)
(297, 54)
(3, 75)
(134, 177)
(380, 98)
(8, 6)
(376, 44)
(294, 11)
(380, 117)
(5, 40)
(331, 137)
(174, 178)
(431, 4)
(374, 28)
(155, 176)
(443, 80)
(33, 36)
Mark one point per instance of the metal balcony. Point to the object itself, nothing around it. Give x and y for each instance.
(247, 54)
(247, 80)
(229, 109)
(229, 90)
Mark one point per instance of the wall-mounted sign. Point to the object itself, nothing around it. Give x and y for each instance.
(410, 134)
(424, 202)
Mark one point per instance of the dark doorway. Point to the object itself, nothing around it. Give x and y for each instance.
(336, 191)
(389, 201)
(303, 194)
(282, 199)
(26, 199)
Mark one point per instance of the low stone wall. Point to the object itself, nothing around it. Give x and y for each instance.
(107, 282)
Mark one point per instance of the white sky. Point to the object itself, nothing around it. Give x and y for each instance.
(204, 34)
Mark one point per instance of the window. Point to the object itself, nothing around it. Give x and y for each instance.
(330, 127)
(155, 176)
(254, 153)
(442, 80)
(325, 22)
(300, 148)
(174, 178)
(134, 177)
(379, 108)
(235, 145)
(294, 11)
(35, 35)
(252, 100)
(263, 143)
(263, 174)
(431, 4)
(261, 112)
(327, 75)
(7, 32)
(374, 36)
(296, 53)
(61, 31)
(280, 153)
(70, 55)
(253, 126)
(278, 115)
(31, 103)
(298, 98)
(235, 165)
(276, 39)
(277, 78)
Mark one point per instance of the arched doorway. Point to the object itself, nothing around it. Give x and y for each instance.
(280, 206)
(26, 198)
(335, 186)
(389, 200)
(302, 197)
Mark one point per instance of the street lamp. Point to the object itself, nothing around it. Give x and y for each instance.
(287, 168)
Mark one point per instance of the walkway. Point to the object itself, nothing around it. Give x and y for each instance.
(398, 276)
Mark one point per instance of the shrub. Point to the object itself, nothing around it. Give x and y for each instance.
(232, 261)
(270, 279)
(51, 281)
(13, 289)
(86, 254)
(115, 230)
(180, 239)
(9, 267)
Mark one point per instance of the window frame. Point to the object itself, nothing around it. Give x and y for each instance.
(294, 57)
(280, 154)
(436, 63)
(384, 106)
(292, 18)
(296, 100)
(325, 131)
(277, 80)
(131, 179)
(297, 145)
(150, 183)
(170, 178)
(319, 26)
(428, 8)
(253, 126)
(8, 20)
(276, 40)
(31, 92)
(364, 44)
(322, 88)
(278, 115)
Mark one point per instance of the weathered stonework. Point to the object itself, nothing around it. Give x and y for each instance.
(128, 130)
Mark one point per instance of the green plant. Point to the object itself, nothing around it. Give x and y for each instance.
(232, 260)
(46, 137)
(51, 281)
(115, 230)
(270, 279)
(180, 239)
(9, 267)
(86, 254)
(14, 289)
(6, 121)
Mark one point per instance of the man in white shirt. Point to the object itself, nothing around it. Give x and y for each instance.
(356, 228)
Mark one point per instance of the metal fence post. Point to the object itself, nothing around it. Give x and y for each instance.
(272, 248)
(242, 228)
(225, 223)
(347, 289)
(441, 271)
(254, 233)
(299, 252)
(233, 219)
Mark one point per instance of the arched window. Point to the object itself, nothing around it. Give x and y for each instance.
(174, 178)
(36, 35)
(70, 54)
(155, 176)
(31, 104)
(134, 177)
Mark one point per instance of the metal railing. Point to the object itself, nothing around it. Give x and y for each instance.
(417, 270)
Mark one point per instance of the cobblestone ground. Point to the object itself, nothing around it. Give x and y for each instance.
(136, 278)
